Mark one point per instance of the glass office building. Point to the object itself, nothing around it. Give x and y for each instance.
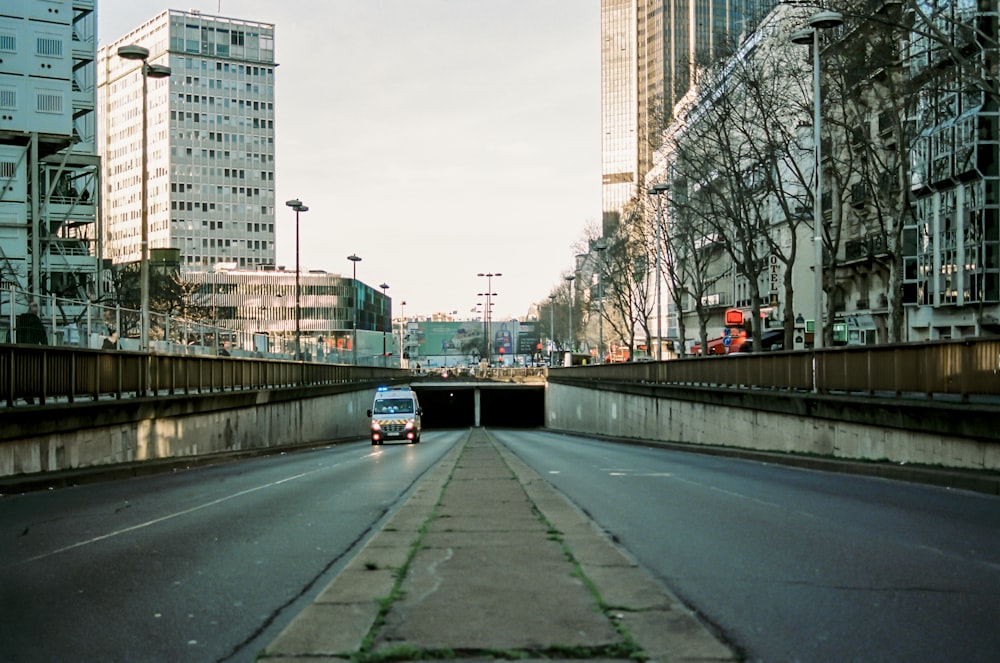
(651, 51)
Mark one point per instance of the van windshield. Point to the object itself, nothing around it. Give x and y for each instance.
(393, 405)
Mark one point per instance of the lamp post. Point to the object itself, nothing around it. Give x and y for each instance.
(656, 191)
(823, 20)
(569, 280)
(298, 207)
(600, 247)
(552, 328)
(402, 331)
(354, 332)
(385, 358)
(489, 312)
(135, 52)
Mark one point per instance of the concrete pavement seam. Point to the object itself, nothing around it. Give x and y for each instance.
(660, 626)
(308, 635)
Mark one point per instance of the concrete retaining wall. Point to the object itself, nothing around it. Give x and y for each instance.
(925, 433)
(57, 438)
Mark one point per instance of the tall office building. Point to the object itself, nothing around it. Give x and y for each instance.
(651, 51)
(48, 160)
(210, 141)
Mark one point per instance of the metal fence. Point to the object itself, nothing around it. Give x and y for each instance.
(36, 374)
(967, 370)
(964, 370)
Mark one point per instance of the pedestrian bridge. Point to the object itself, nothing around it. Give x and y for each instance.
(933, 403)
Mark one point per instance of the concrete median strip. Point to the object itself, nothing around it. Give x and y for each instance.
(485, 561)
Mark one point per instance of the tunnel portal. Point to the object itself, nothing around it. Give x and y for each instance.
(453, 405)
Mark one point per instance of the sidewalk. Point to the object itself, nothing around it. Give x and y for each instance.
(486, 561)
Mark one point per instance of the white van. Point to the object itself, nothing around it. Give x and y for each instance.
(395, 415)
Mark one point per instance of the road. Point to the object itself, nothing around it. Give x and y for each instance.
(207, 564)
(795, 565)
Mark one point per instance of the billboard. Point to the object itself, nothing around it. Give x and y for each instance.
(467, 339)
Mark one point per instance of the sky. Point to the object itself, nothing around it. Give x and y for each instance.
(435, 139)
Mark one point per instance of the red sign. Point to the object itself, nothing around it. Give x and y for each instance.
(734, 317)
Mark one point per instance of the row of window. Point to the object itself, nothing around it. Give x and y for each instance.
(222, 191)
(252, 227)
(223, 120)
(209, 260)
(196, 64)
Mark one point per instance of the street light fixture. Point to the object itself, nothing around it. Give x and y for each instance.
(600, 247)
(354, 332)
(402, 332)
(385, 358)
(823, 20)
(298, 207)
(489, 312)
(657, 191)
(569, 279)
(552, 328)
(136, 52)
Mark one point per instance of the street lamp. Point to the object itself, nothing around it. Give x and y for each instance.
(385, 358)
(489, 312)
(354, 332)
(402, 331)
(600, 247)
(298, 207)
(569, 279)
(823, 20)
(552, 328)
(656, 191)
(135, 52)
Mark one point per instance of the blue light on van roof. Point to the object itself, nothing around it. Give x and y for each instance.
(382, 389)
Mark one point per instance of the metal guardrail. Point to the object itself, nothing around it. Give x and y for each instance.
(962, 370)
(41, 374)
(956, 370)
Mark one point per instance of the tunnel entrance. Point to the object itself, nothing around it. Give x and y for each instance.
(454, 405)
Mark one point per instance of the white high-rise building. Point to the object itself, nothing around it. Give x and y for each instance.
(210, 141)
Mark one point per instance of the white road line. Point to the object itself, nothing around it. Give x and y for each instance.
(161, 519)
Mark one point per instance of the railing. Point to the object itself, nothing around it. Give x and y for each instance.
(42, 374)
(964, 370)
(956, 370)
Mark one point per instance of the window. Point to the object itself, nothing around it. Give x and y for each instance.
(49, 102)
(8, 97)
(48, 45)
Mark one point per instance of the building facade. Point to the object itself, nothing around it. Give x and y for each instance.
(911, 196)
(49, 171)
(211, 183)
(951, 246)
(651, 53)
(259, 304)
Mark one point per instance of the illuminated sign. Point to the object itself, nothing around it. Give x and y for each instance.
(734, 317)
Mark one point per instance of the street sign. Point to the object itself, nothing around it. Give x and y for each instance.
(727, 340)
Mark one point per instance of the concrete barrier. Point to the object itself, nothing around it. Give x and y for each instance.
(866, 429)
(58, 438)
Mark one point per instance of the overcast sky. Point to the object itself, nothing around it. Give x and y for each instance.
(436, 139)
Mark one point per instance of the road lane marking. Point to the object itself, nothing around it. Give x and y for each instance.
(171, 516)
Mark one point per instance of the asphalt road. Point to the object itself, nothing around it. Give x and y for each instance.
(790, 564)
(207, 564)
